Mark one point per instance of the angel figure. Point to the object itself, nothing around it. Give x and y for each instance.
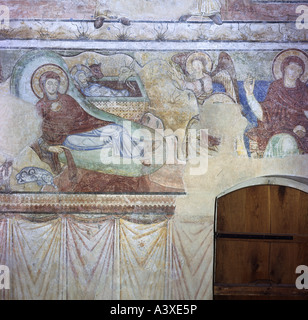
(196, 75)
(193, 72)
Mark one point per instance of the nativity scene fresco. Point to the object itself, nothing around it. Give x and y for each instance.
(92, 122)
(72, 134)
(123, 122)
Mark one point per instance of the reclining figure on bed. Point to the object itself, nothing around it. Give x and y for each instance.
(68, 128)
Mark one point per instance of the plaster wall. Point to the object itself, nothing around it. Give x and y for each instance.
(172, 232)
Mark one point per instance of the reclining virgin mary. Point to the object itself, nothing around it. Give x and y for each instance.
(66, 126)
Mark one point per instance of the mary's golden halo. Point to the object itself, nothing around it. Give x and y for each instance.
(35, 79)
(278, 60)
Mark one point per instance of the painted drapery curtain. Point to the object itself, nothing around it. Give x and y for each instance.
(105, 257)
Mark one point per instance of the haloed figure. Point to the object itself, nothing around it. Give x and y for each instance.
(66, 126)
(282, 116)
(92, 89)
(199, 81)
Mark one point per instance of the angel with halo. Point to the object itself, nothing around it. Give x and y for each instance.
(194, 72)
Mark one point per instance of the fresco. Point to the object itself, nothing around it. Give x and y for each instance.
(155, 9)
(282, 116)
(121, 122)
(103, 258)
(81, 121)
(87, 113)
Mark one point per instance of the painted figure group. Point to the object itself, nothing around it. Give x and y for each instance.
(282, 118)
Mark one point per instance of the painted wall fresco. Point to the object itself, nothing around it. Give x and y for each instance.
(236, 10)
(120, 127)
(102, 258)
(88, 105)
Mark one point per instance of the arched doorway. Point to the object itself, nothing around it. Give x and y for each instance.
(261, 236)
